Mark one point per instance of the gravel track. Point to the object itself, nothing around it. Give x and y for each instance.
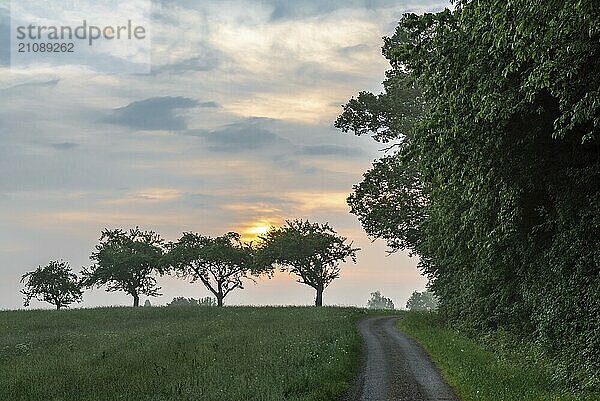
(395, 368)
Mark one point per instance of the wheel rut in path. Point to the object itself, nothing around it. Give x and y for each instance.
(395, 368)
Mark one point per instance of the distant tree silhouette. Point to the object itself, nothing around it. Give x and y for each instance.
(207, 301)
(312, 251)
(220, 263)
(420, 301)
(181, 301)
(54, 283)
(127, 261)
(378, 301)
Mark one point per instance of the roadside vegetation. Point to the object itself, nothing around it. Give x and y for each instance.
(490, 368)
(178, 353)
(491, 118)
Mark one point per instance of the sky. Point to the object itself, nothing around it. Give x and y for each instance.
(231, 130)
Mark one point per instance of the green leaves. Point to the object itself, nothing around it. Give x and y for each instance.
(54, 283)
(422, 301)
(220, 263)
(389, 202)
(497, 168)
(127, 261)
(312, 251)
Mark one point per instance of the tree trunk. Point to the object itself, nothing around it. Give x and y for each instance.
(58, 306)
(219, 294)
(319, 298)
(136, 300)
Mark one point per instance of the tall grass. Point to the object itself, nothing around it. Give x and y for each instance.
(498, 368)
(178, 353)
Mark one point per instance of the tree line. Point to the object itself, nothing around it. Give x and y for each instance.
(130, 261)
(491, 116)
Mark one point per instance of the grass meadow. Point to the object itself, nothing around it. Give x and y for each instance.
(178, 353)
(497, 369)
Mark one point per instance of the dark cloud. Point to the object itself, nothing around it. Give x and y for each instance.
(209, 105)
(155, 114)
(65, 145)
(332, 150)
(240, 136)
(349, 51)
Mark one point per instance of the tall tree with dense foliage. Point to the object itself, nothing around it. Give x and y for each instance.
(493, 112)
(311, 251)
(54, 283)
(220, 263)
(127, 261)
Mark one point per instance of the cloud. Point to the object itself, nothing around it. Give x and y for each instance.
(68, 174)
(209, 105)
(332, 150)
(312, 73)
(349, 51)
(207, 58)
(240, 136)
(286, 10)
(155, 114)
(199, 63)
(149, 195)
(4, 35)
(36, 84)
(295, 10)
(64, 145)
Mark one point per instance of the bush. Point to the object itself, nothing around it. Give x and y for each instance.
(182, 301)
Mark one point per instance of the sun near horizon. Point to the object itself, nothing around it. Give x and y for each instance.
(251, 232)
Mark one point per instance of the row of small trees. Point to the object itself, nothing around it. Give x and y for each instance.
(130, 261)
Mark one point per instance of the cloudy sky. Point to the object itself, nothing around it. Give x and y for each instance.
(231, 130)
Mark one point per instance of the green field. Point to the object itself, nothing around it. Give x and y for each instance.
(495, 370)
(235, 353)
(178, 353)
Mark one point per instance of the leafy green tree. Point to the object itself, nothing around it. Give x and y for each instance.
(422, 301)
(220, 263)
(378, 301)
(311, 251)
(54, 283)
(494, 179)
(127, 261)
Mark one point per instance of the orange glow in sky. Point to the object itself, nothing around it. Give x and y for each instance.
(253, 229)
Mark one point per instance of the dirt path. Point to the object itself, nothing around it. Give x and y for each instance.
(395, 368)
